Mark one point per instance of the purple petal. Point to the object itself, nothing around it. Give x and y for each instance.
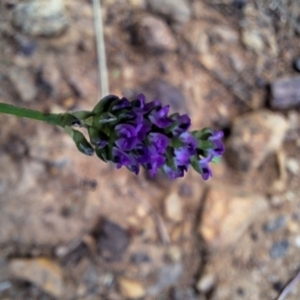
(125, 130)
(159, 141)
(120, 158)
(173, 174)
(135, 168)
(160, 117)
(143, 130)
(204, 167)
(182, 156)
(142, 154)
(127, 137)
(122, 103)
(140, 106)
(189, 141)
(216, 135)
(218, 149)
(126, 144)
(156, 162)
(183, 123)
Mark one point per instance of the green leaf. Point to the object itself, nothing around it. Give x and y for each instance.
(104, 103)
(81, 115)
(104, 118)
(216, 159)
(81, 143)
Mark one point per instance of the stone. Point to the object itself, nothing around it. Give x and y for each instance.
(176, 11)
(112, 240)
(168, 276)
(173, 207)
(41, 17)
(5, 285)
(297, 64)
(255, 136)
(155, 34)
(253, 40)
(205, 283)
(181, 293)
(197, 37)
(23, 83)
(50, 77)
(227, 214)
(131, 289)
(279, 249)
(292, 165)
(42, 272)
(285, 93)
(167, 93)
(275, 225)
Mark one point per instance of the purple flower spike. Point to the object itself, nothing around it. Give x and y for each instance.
(143, 134)
(127, 137)
(160, 117)
(159, 141)
(120, 158)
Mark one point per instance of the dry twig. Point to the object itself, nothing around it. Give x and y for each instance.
(288, 288)
(103, 77)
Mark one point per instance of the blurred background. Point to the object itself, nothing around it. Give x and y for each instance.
(73, 227)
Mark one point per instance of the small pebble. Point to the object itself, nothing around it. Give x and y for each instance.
(297, 241)
(206, 283)
(279, 249)
(5, 285)
(140, 257)
(297, 64)
(292, 166)
(275, 225)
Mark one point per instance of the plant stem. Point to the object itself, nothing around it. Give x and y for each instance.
(9, 109)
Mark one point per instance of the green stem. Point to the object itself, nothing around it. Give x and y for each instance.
(54, 119)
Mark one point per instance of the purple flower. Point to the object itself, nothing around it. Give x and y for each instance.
(159, 141)
(121, 104)
(182, 124)
(127, 136)
(120, 158)
(143, 129)
(204, 167)
(218, 147)
(134, 167)
(173, 174)
(189, 141)
(160, 117)
(142, 153)
(216, 135)
(156, 162)
(182, 156)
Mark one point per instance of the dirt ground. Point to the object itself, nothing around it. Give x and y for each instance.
(73, 227)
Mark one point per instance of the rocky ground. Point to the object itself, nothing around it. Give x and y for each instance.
(72, 227)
